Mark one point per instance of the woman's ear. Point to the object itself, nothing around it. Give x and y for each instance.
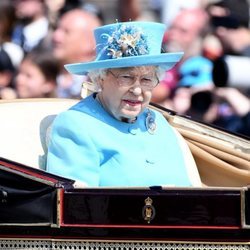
(100, 82)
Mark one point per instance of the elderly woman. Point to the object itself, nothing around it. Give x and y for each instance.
(112, 137)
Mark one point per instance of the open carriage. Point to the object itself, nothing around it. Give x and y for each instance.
(39, 210)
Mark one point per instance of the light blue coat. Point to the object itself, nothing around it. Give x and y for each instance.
(88, 144)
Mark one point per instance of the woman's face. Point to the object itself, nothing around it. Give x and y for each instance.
(122, 92)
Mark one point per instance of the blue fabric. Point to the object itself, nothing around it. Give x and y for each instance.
(88, 144)
(195, 72)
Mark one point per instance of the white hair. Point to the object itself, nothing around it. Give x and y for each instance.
(95, 74)
(160, 72)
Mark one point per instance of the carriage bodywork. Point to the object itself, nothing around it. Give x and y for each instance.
(39, 210)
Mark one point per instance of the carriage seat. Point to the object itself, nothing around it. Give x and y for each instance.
(24, 127)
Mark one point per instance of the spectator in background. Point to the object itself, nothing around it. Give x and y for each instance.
(192, 79)
(185, 34)
(7, 72)
(238, 120)
(170, 9)
(191, 74)
(227, 108)
(187, 31)
(129, 10)
(11, 54)
(230, 22)
(37, 74)
(7, 22)
(73, 41)
(33, 23)
(54, 11)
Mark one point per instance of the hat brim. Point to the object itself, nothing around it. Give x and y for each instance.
(164, 60)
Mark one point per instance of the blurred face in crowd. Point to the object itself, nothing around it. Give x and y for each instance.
(5, 78)
(181, 100)
(230, 38)
(126, 92)
(230, 24)
(185, 29)
(73, 39)
(27, 9)
(31, 82)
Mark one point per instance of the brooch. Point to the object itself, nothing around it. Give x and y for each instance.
(150, 123)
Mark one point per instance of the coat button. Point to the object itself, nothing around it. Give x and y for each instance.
(132, 130)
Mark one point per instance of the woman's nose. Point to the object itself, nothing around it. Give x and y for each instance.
(136, 89)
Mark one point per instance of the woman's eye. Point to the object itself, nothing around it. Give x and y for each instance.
(126, 76)
(146, 79)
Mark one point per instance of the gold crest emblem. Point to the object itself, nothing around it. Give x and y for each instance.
(148, 211)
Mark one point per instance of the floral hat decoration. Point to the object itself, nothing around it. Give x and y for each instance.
(128, 44)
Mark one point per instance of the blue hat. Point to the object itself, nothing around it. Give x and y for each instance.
(128, 44)
(195, 72)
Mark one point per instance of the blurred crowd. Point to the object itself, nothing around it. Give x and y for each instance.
(210, 84)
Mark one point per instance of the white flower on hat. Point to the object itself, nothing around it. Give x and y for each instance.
(126, 40)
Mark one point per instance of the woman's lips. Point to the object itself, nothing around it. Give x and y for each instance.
(132, 102)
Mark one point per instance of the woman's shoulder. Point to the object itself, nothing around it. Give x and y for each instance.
(83, 104)
(77, 113)
(158, 115)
